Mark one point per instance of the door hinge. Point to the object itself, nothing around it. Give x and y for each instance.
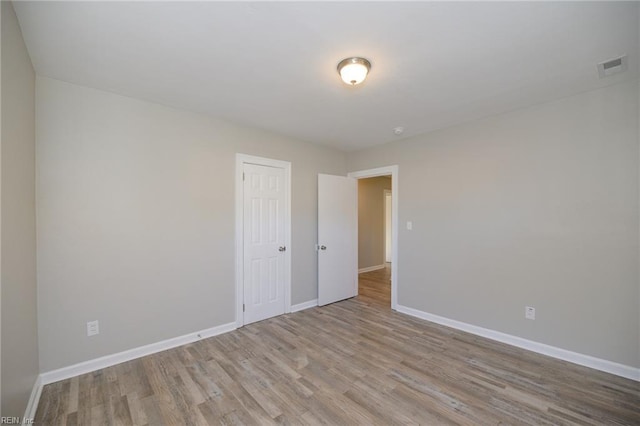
(243, 307)
(242, 175)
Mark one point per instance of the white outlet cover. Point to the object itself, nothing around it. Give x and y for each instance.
(409, 226)
(93, 328)
(530, 312)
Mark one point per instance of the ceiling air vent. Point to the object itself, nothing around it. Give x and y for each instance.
(613, 66)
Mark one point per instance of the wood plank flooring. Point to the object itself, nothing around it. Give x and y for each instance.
(375, 287)
(353, 362)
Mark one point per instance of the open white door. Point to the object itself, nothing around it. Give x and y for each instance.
(337, 238)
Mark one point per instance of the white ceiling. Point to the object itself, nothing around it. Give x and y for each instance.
(272, 65)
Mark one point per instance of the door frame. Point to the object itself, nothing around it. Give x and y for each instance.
(241, 160)
(385, 171)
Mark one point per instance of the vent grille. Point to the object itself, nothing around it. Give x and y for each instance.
(612, 66)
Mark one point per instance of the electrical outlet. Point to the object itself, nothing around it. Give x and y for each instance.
(530, 312)
(93, 328)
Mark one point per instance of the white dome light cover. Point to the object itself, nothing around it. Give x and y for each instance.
(354, 70)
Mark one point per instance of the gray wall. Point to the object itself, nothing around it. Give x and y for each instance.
(136, 219)
(371, 221)
(535, 207)
(18, 227)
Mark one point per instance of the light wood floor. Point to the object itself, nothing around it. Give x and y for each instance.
(353, 362)
(374, 287)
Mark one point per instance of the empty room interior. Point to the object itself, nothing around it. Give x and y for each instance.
(319, 213)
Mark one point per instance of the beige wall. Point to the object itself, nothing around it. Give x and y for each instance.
(536, 207)
(18, 238)
(371, 221)
(136, 219)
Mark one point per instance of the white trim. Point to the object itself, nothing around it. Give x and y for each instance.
(371, 268)
(128, 355)
(241, 159)
(32, 405)
(541, 348)
(304, 305)
(385, 171)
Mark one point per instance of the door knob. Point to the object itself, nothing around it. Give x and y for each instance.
(282, 248)
(323, 247)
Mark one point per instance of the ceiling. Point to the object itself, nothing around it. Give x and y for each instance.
(272, 65)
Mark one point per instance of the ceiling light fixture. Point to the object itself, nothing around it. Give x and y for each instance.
(354, 70)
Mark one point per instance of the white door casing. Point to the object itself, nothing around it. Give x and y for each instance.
(337, 238)
(263, 238)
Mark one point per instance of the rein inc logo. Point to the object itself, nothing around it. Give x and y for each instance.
(4, 420)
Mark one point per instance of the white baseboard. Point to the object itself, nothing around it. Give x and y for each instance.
(304, 305)
(371, 268)
(32, 405)
(552, 351)
(128, 355)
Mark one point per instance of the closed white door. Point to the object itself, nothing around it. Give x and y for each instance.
(264, 242)
(337, 238)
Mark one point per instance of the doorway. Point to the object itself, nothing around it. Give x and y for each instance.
(374, 240)
(377, 270)
(263, 238)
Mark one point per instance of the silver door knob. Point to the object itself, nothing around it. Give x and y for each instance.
(282, 248)
(323, 247)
